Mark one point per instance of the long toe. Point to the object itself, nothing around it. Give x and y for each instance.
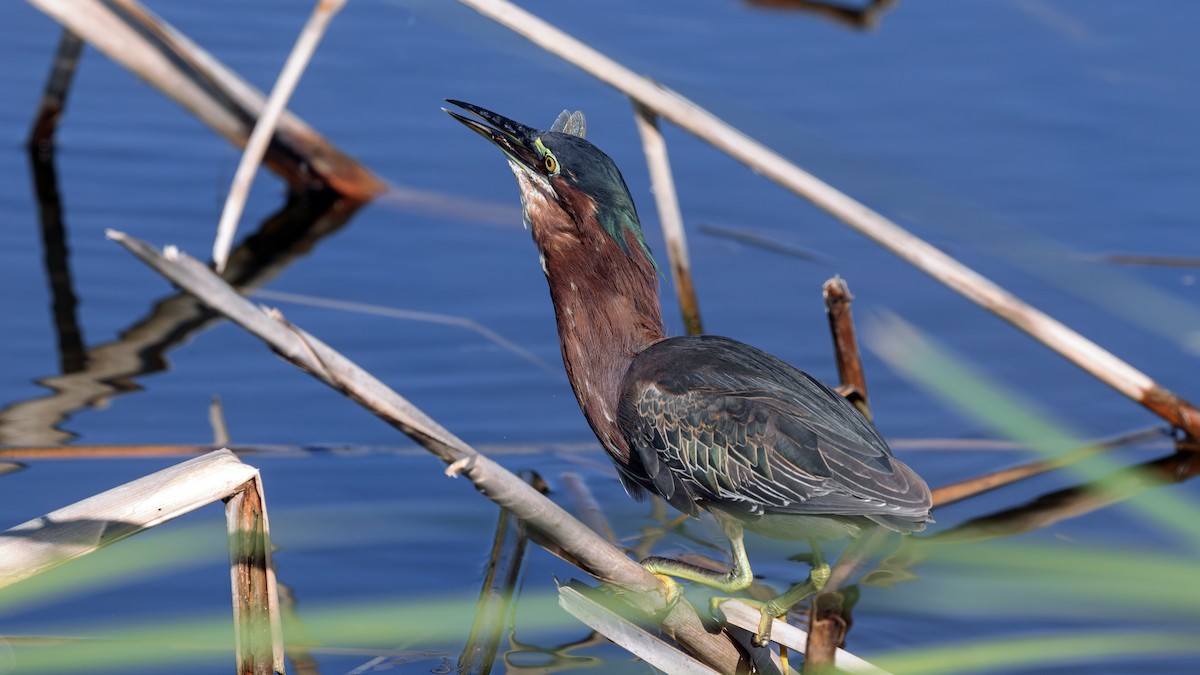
(715, 602)
(765, 619)
(674, 591)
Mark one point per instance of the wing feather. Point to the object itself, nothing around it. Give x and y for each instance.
(712, 420)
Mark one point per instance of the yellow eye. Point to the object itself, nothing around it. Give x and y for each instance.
(550, 163)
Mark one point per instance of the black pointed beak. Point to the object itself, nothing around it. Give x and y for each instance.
(515, 139)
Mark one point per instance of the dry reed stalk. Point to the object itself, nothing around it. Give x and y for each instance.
(922, 255)
(669, 215)
(547, 520)
(499, 586)
(216, 419)
(98, 521)
(264, 128)
(1137, 259)
(827, 623)
(744, 616)
(103, 451)
(54, 98)
(170, 62)
(1073, 502)
(1046, 510)
(948, 494)
(826, 631)
(907, 444)
(411, 315)
(845, 344)
(603, 615)
(1139, 437)
(256, 618)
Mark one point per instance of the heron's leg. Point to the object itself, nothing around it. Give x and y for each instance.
(738, 578)
(818, 576)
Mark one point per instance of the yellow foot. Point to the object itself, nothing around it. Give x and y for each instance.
(714, 605)
(674, 593)
(767, 615)
(674, 590)
(768, 611)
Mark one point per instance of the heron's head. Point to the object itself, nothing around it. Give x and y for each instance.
(565, 181)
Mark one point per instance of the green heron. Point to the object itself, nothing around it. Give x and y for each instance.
(705, 422)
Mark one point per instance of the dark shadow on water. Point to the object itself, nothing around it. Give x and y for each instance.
(58, 270)
(93, 376)
(11, 467)
(861, 17)
(524, 657)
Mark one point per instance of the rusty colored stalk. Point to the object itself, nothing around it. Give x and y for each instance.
(256, 620)
(826, 631)
(845, 343)
(948, 494)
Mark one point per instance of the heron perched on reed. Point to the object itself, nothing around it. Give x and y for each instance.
(705, 422)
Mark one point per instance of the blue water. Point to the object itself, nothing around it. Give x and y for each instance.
(1016, 135)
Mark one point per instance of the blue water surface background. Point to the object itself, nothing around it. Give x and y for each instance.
(1026, 138)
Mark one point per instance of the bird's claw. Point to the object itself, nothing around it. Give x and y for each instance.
(768, 612)
(715, 602)
(767, 615)
(674, 593)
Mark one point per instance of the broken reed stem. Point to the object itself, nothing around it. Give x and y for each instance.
(258, 633)
(829, 613)
(54, 98)
(264, 128)
(495, 598)
(588, 550)
(98, 521)
(919, 253)
(669, 215)
(827, 623)
(826, 631)
(93, 523)
(948, 494)
(845, 343)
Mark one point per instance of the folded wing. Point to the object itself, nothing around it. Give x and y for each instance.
(713, 420)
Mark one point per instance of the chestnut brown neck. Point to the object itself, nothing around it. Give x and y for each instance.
(606, 302)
